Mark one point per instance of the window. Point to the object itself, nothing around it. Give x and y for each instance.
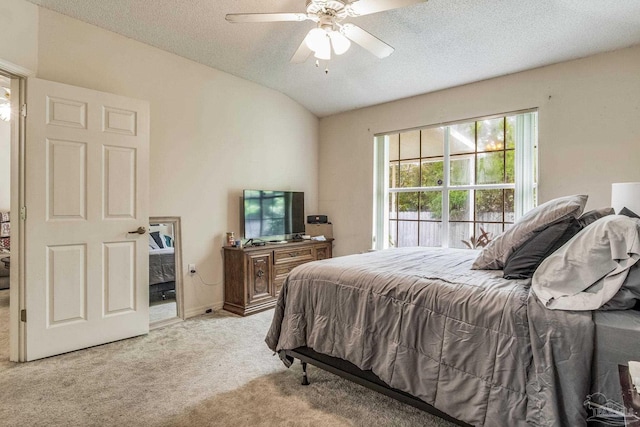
(443, 185)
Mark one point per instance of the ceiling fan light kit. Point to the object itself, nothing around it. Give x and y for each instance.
(340, 43)
(318, 41)
(330, 34)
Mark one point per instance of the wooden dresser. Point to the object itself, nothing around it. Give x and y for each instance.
(253, 276)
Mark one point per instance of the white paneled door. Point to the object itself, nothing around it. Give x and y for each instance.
(86, 190)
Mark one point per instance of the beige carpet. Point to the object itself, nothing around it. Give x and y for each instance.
(4, 328)
(213, 370)
(162, 311)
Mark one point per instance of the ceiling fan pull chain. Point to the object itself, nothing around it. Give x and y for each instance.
(326, 68)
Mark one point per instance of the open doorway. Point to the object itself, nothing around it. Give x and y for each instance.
(5, 180)
(165, 271)
(7, 133)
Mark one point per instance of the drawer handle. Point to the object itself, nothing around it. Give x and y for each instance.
(293, 254)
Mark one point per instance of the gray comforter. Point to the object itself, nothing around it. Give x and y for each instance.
(162, 266)
(474, 345)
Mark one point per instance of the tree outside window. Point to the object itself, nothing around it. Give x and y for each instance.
(447, 184)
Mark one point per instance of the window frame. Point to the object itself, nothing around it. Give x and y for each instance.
(525, 149)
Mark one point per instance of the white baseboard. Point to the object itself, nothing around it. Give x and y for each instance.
(197, 311)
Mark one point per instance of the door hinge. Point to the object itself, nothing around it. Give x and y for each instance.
(23, 315)
(23, 213)
(23, 110)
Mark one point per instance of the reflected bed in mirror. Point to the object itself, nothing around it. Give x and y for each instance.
(165, 294)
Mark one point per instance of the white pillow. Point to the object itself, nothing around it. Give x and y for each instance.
(589, 269)
(495, 254)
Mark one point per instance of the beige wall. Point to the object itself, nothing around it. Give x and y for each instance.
(212, 134)
(19, 23)
(18, 54)
(589, 116)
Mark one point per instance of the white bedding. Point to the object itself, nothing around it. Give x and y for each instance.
(589, 269)
(161, 251)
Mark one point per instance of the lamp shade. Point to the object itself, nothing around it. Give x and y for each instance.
(626, 194)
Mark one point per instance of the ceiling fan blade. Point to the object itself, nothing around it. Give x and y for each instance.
(366, 7)
(367, 40)
(266, 17)
(302, 53)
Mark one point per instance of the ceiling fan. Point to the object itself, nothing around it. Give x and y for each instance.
(330, 34)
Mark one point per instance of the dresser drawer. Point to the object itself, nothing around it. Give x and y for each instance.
(277, 285)
(281, 272)
(298, 255)
(323, 252)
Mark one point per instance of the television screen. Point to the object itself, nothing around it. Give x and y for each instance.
(272, 213)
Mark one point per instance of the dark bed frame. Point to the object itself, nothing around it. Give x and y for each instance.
(367, 379)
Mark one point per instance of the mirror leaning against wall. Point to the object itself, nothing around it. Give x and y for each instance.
(165, 272)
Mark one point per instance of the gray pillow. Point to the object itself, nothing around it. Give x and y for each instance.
(628, 212)
(495, 254)
(155, 235)
(629, 295)
(594, 215)
(522, 263)
(153, 244)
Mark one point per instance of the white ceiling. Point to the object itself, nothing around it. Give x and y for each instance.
(439, 44)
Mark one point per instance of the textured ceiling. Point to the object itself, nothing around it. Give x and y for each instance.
(439, 44)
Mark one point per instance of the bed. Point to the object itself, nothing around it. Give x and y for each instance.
(162, 269)
(162, 276)
(469, 345)
(161, 266)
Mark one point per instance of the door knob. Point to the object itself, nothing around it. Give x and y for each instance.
(140, 230)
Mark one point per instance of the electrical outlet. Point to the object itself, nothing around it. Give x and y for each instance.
(192, 268)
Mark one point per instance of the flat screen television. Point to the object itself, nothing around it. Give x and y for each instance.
(272, 213)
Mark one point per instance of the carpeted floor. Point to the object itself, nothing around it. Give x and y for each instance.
(212, 370)
(4, 328)
(162, 311)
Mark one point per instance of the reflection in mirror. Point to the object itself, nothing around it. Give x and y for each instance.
(164, 277)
